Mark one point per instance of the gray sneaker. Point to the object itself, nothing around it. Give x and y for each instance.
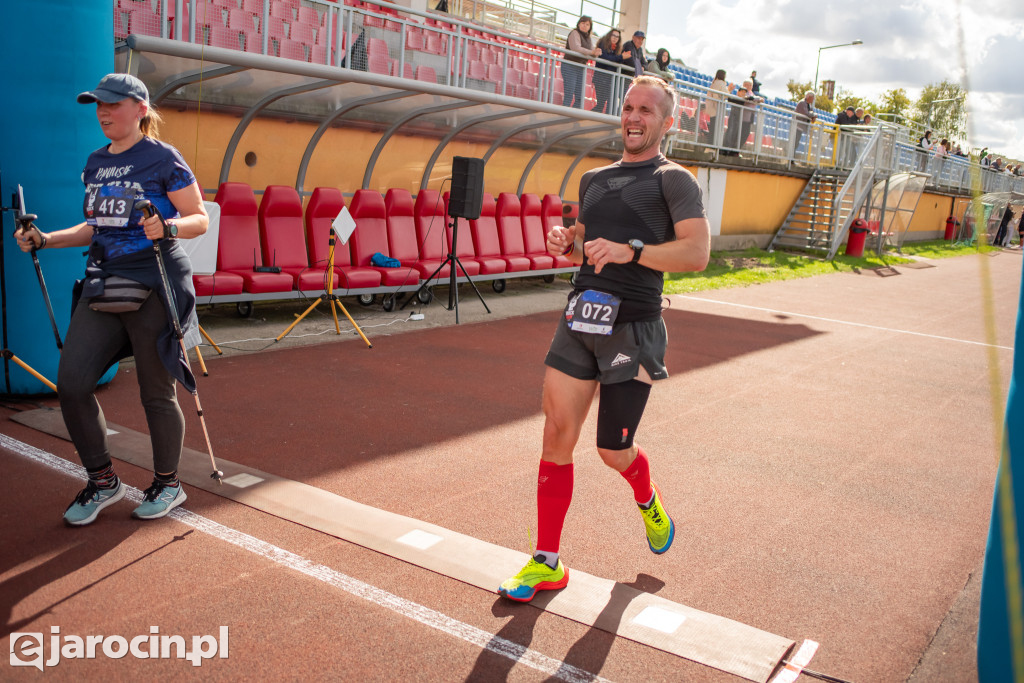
(89, 501)
(158, 500)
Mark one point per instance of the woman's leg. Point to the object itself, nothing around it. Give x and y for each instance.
(92, 339)
(156, 384)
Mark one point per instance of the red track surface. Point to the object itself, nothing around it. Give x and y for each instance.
(830, 475)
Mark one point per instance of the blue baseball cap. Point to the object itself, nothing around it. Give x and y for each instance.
(114, 88)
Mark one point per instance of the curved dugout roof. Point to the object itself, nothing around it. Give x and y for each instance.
(254, 85)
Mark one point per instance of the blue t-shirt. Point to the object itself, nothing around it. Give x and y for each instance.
(114, 182)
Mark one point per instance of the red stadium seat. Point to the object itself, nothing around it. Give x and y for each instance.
(551, 215)
(221, 36)
(510, 232)
(281, 236)
(465, 247)
(486, 244)
(427, 74)
(371, 237)
(238, 246)
(431, 229)
(292, 49)
(534, 234)
(324, 206)
(402, 237)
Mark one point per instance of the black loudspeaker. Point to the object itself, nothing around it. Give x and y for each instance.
(467, 196)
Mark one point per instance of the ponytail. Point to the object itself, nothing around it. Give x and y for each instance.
(150, 123)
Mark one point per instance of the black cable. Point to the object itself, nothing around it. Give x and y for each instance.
(820, 676)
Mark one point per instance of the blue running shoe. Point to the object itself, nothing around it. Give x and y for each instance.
(535, 576)
(659, 525)
(158, 500)
(89, 501)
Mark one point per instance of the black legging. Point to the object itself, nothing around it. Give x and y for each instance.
(93, 338)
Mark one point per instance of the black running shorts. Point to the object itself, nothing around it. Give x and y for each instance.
(610, 358)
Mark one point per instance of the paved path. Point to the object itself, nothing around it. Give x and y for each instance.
(827, 447)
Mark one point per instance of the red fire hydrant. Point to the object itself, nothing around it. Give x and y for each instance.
(855, 241)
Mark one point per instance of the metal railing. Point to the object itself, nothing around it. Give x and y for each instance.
(397, 41)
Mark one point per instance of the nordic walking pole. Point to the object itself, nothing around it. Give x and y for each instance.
(9, 355)
(148, 210)
(25, 223)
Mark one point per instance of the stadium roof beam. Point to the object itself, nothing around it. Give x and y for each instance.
(375, 154)
(458, 129)
(547, 145)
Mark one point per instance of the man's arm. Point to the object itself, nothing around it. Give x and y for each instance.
(689, 252)
(562, 239)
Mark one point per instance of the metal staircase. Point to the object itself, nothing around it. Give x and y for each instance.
(828, 204)
(808, 227)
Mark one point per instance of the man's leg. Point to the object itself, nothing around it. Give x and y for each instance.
(566, 403)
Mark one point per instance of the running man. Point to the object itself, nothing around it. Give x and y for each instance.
(644, 216)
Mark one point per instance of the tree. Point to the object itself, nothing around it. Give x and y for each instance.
(845, 98)
(943, 108)
(895, 105)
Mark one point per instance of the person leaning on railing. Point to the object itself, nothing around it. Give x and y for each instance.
(610, 46)
(579, 47)
(659, 66)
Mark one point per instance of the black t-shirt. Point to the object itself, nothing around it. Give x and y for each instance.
(635, 200)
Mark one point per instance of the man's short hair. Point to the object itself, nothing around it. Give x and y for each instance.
(809, 92)
(672, 97)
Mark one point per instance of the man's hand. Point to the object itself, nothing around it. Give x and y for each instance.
(601, 251)
(560, 240)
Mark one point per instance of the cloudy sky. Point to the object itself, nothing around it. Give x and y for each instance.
(907, 44)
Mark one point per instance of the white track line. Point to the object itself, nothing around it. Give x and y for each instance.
(842, 322)
(406, 608)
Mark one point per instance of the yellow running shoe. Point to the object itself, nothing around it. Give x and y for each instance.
(660, 527)
(535, 576)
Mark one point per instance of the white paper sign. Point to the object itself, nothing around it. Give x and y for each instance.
(344, 225)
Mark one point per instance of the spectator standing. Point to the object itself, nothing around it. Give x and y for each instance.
(610, 46)
(715, 103)
(940, 152)
(849, 149)
(924, 146)
(578, 49)
(633, 53)
(755, 85)
(659, 66)
(867, 120)
(804, 117)
(748, 110)
(1003, 233)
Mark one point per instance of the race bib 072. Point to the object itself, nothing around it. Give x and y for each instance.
(592, 312)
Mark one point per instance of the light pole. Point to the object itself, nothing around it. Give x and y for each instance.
(818, 66)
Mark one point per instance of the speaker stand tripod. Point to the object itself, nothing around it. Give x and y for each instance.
(452, 261)
(328, 295)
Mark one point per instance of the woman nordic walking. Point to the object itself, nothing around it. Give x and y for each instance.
(104, 327)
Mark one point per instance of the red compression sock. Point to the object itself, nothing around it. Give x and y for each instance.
(554, 493)
(638, 474)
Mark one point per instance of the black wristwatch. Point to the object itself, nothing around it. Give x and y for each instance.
(171, 230)
(637, 247)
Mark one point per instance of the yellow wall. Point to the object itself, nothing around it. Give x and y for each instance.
(931, 213)
(339, 160)
(758, 203)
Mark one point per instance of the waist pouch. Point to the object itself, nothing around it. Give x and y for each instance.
(120, 295)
